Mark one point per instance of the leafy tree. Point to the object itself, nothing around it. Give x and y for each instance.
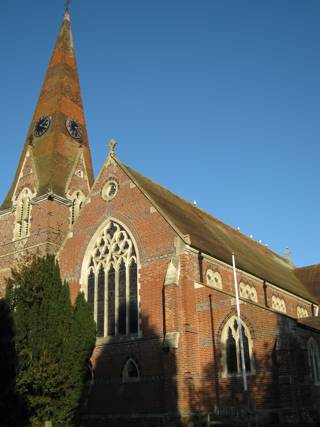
(54, 341)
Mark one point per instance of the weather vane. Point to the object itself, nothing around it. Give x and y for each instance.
(67, 4)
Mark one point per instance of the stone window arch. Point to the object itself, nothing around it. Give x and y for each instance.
(248, 292)
(23, 214)
(314, 360)
(214, 279)
(112, 282)
(131, 372)
(231, 353)
(77, 199)
(278, 304)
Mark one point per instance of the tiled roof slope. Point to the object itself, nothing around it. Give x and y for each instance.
(311, 322)
(217, 239)
(310, 277)
(55, 152)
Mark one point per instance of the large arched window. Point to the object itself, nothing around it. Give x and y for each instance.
(314, 360)
(23, 210)
(231, 353)
(112, 282)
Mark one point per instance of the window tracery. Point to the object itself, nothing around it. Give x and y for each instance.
(302, 312)
(278, 304)
(214, 279)
(112, 282)
(314, 360)
(23, 214)
(248, 292)
(231, 353)
(77, 199)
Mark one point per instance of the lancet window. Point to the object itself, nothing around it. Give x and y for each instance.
(314, 360)
(23, 211)
(231, 348)
(130, 372)
(77, 199)
(112, 282)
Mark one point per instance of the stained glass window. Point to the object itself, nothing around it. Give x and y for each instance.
(122, 309)
(231, 353)
(111, 301)
(231, 348)
(133, 314)
(100, 302)
(113, 260)
(91, 288)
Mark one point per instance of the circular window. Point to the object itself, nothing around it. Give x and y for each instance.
(109, 190)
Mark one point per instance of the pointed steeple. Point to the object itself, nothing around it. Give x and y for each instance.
(58, 131)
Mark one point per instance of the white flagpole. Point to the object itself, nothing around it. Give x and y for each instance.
(243, 363)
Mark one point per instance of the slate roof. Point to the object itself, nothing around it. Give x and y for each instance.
(311, 322)
(219, 240)
(310, 277)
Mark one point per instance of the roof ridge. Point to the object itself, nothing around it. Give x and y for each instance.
(197, 208)
(308, 266)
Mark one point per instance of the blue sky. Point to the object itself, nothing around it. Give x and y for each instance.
(218, 101)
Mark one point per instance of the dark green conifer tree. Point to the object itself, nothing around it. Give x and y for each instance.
(54, 341)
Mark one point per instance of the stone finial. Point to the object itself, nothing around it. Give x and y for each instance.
(287, 255)
(112, 147)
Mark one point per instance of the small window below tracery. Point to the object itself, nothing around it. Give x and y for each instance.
(278, 304)
(248, 292)
(214, 279)
(302, 312)
(23, 214)
(77, 199)
(130, 372)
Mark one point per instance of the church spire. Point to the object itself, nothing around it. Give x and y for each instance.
(57, 135)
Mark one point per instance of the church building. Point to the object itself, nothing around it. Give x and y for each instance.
(158, 273)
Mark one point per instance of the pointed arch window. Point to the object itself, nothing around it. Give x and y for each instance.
(112, 282)
(23, 214)
(231, 353)
(77, 199)
(314, 360)
(130, 372)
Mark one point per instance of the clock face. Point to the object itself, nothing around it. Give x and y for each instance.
(74, 128)
(41, 126)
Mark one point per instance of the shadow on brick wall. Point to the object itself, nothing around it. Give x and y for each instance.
(277, 389)
(148, 399)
